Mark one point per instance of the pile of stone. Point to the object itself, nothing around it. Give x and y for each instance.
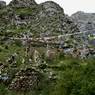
(26, 80)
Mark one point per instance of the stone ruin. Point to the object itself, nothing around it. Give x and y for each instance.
(26, 80)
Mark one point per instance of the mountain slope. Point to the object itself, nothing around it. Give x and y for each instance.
(27, 15)
(86, 23)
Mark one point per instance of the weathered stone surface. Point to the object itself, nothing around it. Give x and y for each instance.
(52, 8)
(2, 4)
(86, 24)
(22, 3)
(45, 19)
(52, 20)
(85, 21)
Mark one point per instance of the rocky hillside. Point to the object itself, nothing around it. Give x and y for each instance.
(85, 21)
(47, 18)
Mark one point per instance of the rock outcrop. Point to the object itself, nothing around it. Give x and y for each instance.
(2, 4)
(86, 24)
(51, 20)
(85, 21)
(47, 18)
(22, 3)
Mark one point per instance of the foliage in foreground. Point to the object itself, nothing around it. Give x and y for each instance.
(75, 78)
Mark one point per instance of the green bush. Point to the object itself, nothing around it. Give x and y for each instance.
(76, 80)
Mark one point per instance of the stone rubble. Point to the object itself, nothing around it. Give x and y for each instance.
(26, 80)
